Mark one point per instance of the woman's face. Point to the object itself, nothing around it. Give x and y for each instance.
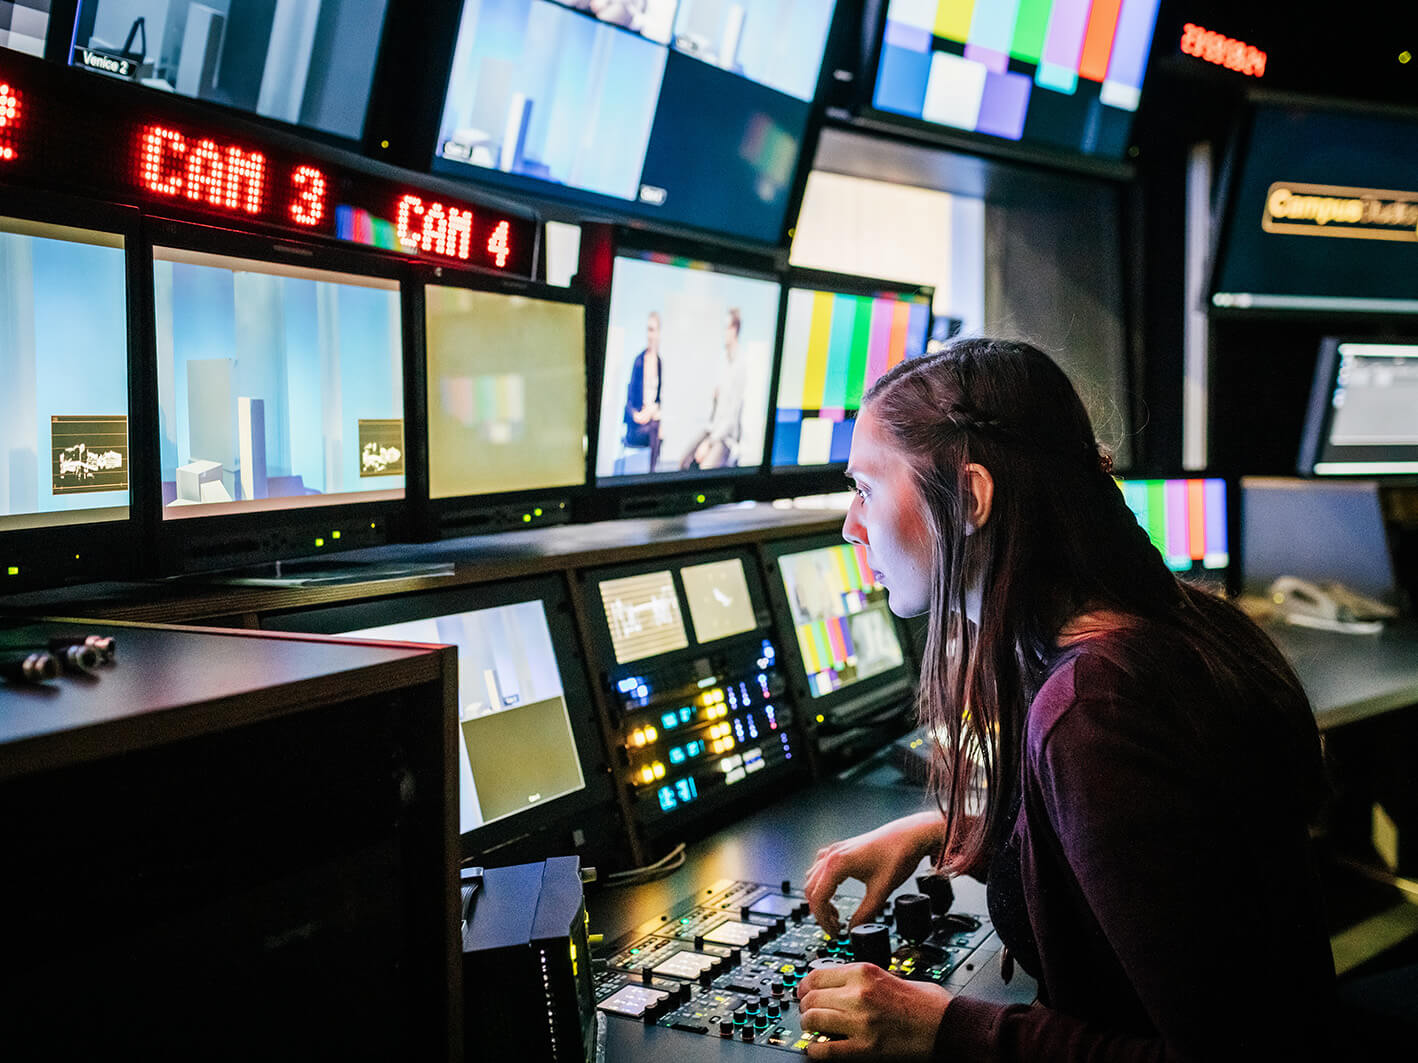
(887, 517)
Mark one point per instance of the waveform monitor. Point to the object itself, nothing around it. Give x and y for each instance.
(529, 756)
(1363, 412)
(699, 707)
(506, 397)
(1186, 519)
(839, 335)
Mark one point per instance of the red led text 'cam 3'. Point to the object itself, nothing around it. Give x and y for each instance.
(9, 118)
(203, 171)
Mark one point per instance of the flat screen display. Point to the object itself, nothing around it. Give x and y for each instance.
(643, 615)
(719, 603)
(516, 749)
(1061, 74)
(1364, 413)
(506, 392)
(24, 24)
(606, 101)
(844, 629)
(310, 64)
(689, 357)
(64, 363)
(1186, 521)
(835, 345)
(279, 387)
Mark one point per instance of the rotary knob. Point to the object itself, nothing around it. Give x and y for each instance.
(871, 943)
(913, 916)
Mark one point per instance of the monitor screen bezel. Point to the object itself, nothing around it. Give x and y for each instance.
(850, 705)
(232, 540)
(797, 479)
(108, 549)
(597, 796)
(499, 510)
(1319, 413)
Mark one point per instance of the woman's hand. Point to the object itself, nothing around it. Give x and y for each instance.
(872, 1013)
(881, 859)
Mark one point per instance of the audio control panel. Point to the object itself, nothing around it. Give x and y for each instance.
(727, 964)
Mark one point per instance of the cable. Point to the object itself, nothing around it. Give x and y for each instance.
(672, 861)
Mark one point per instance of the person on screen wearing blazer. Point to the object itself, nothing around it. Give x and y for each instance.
(642, 399)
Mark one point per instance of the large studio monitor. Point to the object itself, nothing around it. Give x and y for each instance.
(1190, 521)
(1363, 414)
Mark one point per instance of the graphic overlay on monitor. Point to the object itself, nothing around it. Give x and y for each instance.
(1064, 74)
(605, 100)
(1367, 408)
(719, 604)
(516, 749)
(279, 387)
(506, 392)
(23, 25)
(844, 629)
(689, 357)
(308, 64)
(643, 615)
(835, 346)
(1186, 521)
(64, 362)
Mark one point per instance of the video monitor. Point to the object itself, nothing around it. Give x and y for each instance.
(308, 64)
(1363, 413)
(528, 746)
(1059, 74)
(280, 387)
(719, 602)
(843, 629)
(689, 357)
(836, 342)
(1187, 520)
(602, 103)
(64, 360)
(24, 25)
(643, 615)
(506, 390)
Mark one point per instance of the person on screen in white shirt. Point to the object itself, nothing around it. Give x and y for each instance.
(718, 444)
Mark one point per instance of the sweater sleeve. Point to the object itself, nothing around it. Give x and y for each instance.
(1130, 809)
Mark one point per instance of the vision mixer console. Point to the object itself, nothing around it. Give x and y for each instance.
(725, 966)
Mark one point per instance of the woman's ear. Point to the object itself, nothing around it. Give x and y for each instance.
(982, 491)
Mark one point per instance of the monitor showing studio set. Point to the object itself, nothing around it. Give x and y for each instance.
(602, 104)
(280, 412)
(1362, 418)
(505, 395)
(688, 362)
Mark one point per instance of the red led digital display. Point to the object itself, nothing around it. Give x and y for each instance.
(9, 119)
(1224, 51)
(204, 172)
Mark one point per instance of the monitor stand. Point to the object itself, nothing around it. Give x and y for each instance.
(324, 572)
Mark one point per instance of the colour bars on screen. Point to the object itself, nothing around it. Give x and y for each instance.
(1185, 519)
(1063, 73)
(835, 345)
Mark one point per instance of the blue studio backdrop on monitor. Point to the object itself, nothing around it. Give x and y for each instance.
(615, 110)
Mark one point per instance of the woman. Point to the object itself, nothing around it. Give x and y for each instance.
(1129, 758)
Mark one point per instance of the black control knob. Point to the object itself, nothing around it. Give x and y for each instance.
(746, 1033)
(938, 888)
(871, 943)
(699, 942)
(773, 1009)
(913, 916)
(726, 1027)
(735, 957)
(706, 978)
(787, 886)
(740, 1016)
(777, 987)
(646, 975)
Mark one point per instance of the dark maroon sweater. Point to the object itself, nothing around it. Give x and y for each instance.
(1158, 880)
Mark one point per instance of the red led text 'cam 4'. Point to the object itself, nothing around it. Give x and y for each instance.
(9, 118)
(203, 171)
(1222, 50)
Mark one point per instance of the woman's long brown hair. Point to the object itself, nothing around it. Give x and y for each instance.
(1059, 542)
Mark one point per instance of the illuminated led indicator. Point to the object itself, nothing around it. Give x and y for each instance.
(13, 570)
(231, 179)
(434, 227)
(308, 206)
(319, 542)
(9, 118)
(334, 535)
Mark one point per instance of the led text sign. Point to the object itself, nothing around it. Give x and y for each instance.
(59, 136)
(1335, 210)
(1224, 51)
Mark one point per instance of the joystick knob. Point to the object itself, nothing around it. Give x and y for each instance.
(938, 888)
(913, 916)
(871, 943)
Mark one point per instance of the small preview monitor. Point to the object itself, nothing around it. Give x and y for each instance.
(64, 360)
(506, 391)
(843, 629)
(1187, 520)
(836, 343)
(1064, 75)
(689, 357)
(307, 64)
(1363, 412)
(24, 25)
(279, 387)
(527, 742)
(719, 602)
(643, 615)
